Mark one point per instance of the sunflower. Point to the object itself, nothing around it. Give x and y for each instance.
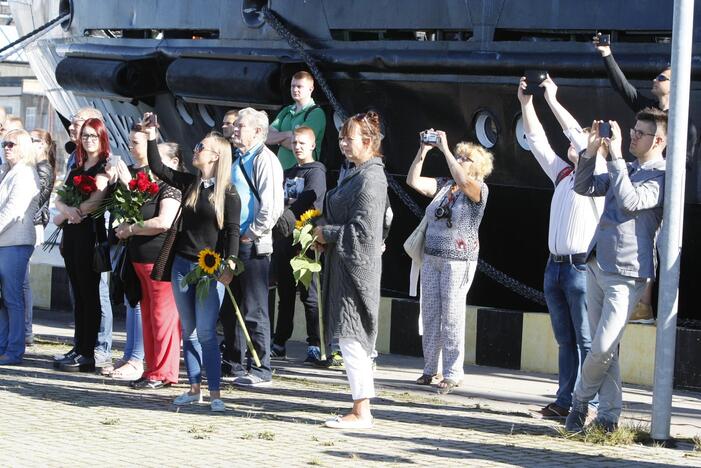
(209, 261)
(307, 217)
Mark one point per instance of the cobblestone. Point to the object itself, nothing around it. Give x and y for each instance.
(57, 419)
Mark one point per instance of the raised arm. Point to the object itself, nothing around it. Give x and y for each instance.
(469, 185)
(177, 179)
(585, 181)
(424, 185)
(564, 118)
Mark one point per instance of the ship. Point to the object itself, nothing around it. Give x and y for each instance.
(446, 64)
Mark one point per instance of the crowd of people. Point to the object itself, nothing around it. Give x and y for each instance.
(243, 200)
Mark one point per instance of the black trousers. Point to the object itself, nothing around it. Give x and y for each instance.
(78, 246)
(250, 289)
(287, 291)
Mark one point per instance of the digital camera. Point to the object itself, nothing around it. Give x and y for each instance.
(430, 138)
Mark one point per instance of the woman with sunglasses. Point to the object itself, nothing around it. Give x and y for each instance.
(450, 251)
(45, 157)
(80, 234)
(19, 186)
(159, 316)
(351, 236)
(209, 219)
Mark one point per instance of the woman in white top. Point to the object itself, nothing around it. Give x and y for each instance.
(19, 186)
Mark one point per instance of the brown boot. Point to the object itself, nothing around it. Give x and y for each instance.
(642, 314)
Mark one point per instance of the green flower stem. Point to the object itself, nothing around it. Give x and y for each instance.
(320, 301)
(242, 324)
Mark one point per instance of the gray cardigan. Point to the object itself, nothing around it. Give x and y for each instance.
(19, 187)
(354, 213)
(627, 232)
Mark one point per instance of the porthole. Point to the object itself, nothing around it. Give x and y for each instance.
(205, 115)
(521, 134)
(182, 110)
(486, 129)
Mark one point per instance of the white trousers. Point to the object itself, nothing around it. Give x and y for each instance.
(358, 365)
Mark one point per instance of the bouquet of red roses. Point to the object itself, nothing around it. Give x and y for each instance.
(72, 195)
(126, 202)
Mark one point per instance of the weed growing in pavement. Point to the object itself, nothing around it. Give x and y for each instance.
(314, 462)
(246, 436)
(201, 429)
(697, 443)
(266, 435)
(110, 422)
(625, 434)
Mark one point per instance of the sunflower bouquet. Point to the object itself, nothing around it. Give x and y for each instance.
(209, 266)
(303, 267)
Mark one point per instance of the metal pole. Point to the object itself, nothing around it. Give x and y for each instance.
(670, 239)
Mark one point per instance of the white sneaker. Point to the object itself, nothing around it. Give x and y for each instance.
(217, 405)
(187, 399)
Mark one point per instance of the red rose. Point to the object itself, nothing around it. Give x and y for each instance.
(153, 188)
(132, 184)
(142, 184)
(77, 180)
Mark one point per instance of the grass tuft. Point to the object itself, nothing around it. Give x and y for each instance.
(625, 434)
(266, 435)
(110, 422)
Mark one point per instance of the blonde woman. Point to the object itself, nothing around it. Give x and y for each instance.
(19, 185)
(450, 252)
(209, 219)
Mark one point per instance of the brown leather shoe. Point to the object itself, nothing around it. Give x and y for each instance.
(553, 411)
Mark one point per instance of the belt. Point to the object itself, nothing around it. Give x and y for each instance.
(572, 258)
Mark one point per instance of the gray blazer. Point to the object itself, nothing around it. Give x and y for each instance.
(625, 238)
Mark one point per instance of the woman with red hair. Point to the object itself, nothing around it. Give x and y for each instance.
(79, 234)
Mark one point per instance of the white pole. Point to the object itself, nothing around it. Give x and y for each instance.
(670, 238)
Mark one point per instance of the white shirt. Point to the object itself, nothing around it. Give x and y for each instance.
(573, 217)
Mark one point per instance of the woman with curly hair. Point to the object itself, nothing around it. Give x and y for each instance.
(450, 252)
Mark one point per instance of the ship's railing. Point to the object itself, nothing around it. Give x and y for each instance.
(500, 277)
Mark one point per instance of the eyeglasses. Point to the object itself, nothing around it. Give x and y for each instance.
(199, 147)
(37, 140)
(89, 137)
(463, 159)
(662, 78)
(8, 144)
(635, 133)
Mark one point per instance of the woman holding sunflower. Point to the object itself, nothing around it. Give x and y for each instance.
(209, 229)
(351, 236)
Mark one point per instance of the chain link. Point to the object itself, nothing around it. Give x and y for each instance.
(500, 277)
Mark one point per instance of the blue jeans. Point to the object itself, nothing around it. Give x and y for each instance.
(28, 305)
(199, 323)
(565, 288)
(103, 345)
(13, 268)
(134, 348)
(250, 289)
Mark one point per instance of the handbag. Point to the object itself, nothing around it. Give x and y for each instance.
(164, 261)
(101, 255)
(414, 247)
(123, 282)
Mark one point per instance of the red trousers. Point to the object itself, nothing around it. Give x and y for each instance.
(161, 326)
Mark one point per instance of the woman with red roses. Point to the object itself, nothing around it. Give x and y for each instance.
(80, 232)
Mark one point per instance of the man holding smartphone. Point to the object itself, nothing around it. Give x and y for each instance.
(636, 101)
(573, 219)
(621, 256)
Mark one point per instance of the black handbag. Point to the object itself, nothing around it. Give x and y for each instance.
(101, 255)
(123, 282)
(164, 261)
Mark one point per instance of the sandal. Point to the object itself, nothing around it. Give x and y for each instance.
(425, 379)
(131, 370)
(446, 386)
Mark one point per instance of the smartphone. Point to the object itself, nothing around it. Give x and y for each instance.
(151, 121)
(604, 39)
(533, 79)
(605, 130)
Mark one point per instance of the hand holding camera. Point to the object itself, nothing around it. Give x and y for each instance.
(533, 80)
(602, 42)
(429, 137)
(149, 124)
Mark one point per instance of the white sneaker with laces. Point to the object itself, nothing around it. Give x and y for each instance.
(187, 399)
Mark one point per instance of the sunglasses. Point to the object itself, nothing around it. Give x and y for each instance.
(36, 140)
(8, 144)
(661, 78)
(199, 147)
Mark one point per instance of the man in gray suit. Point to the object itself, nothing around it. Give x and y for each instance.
(621, 257)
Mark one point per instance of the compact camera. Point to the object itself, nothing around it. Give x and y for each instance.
(430, 138)
(443, 212)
